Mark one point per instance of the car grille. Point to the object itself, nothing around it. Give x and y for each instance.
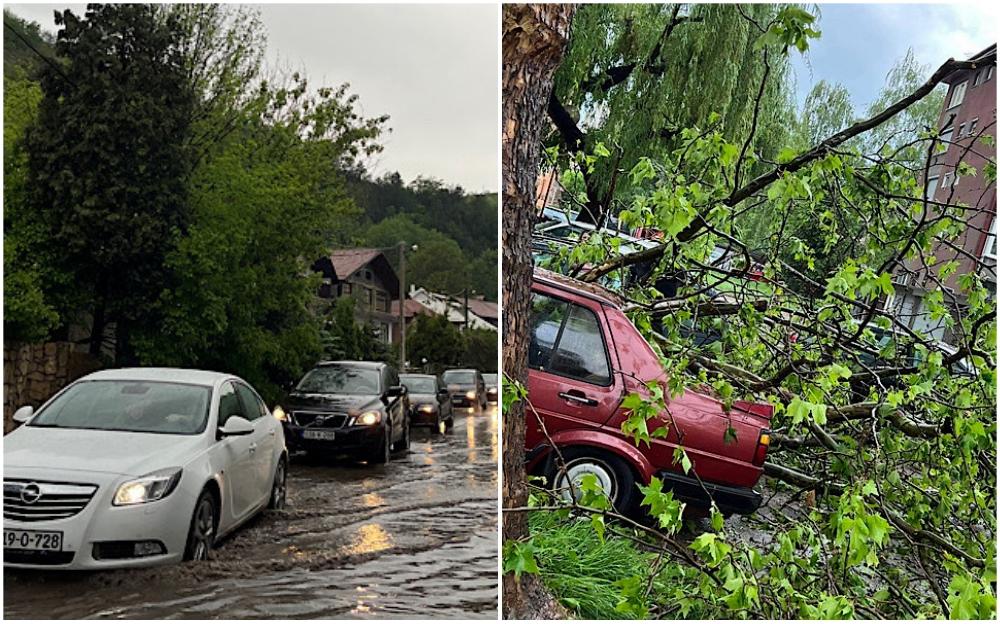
(38, 501)
(325, 420)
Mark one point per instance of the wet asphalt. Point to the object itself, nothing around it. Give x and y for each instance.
(414, 539)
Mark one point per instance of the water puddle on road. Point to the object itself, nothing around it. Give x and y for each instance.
(414, 539)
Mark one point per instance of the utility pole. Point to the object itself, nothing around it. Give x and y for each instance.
(402, 306)
(466, 308)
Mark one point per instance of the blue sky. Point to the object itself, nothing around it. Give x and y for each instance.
(861, 42)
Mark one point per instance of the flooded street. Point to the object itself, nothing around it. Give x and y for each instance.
(416, 539)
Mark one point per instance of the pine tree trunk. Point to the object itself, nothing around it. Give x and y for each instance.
(534, 39)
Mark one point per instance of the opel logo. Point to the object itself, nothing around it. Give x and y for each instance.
(31, 493)
(319, 420)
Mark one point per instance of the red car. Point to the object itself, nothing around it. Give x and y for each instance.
(585, 357)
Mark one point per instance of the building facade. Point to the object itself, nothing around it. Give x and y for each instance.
(968, 114)
(366, 276)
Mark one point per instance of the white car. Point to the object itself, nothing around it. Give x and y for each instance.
(137, 467)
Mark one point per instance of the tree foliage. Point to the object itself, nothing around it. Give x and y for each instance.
(434, 343)
(635, 75)
(108, 166)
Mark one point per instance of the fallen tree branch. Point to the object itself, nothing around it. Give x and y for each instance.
(800, 161)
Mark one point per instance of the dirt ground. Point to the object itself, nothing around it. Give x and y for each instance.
(415, 539)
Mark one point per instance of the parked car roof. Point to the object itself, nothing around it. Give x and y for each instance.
(354, 363)
(179, 375)
(587, 289)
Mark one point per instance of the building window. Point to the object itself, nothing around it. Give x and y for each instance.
(946, 180)
(932, 184)
(978, 77)
(958, 94)
(961, 131)
(946, 134)
(972, 126)
(368, 274)
(989, 73)
(990, 248)
(346, 288)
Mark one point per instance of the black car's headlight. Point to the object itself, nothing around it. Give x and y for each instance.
(371, 417)
(148, 488)
(427, 408)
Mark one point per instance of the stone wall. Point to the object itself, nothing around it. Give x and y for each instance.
(34, 372)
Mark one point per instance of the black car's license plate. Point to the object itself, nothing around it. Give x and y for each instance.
(319, 435)
(33, 540)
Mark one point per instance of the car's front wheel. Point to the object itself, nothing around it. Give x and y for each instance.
(611, 474)
(201, 535)
(278, 487)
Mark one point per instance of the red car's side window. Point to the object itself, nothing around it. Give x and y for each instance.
(566, 340)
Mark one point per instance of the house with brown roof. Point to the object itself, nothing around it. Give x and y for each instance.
(486, 310)
(367, 277)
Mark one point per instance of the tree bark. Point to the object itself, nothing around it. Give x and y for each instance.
(534, 39)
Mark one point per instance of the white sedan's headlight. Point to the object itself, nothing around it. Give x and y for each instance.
(428, 408)
(471, 394)
(147, 489)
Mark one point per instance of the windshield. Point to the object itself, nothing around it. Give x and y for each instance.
(419, 385)
(340, 380)
(143, 406)
(490, 379)
(459, 377)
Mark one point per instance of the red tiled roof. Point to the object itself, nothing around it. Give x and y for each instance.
(483, 309)
(413, 308)
(347, 261)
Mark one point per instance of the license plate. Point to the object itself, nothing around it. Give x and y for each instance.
(319, 435)
(33, 540)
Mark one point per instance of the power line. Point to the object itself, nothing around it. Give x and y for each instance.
(49, 61)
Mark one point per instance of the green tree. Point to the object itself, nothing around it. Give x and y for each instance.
(108, 165)
(635, 75)
(433, 343)
(28, 314)
(267, 200)
(481, 350)
(344, 339)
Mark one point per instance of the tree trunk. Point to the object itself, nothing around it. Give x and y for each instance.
(534, 38)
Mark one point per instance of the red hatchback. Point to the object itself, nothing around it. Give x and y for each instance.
(585, 357)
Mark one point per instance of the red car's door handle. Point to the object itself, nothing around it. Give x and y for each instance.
(578, 397)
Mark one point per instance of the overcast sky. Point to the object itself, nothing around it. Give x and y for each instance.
(433, 69)
(861, 42)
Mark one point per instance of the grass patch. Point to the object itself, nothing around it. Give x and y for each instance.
(580, 569)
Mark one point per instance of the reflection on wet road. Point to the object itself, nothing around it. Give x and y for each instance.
(417, 538)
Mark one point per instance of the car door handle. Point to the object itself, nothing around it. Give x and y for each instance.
(578, 397)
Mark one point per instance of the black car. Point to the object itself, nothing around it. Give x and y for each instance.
(354, 408)
(466, 387)
(492, 387)
(430, 403)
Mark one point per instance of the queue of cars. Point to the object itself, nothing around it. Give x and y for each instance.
(146, 466)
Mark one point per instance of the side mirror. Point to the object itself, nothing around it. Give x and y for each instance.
(23, 414)
(236, 426)
(443, 392)
(395, 391)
